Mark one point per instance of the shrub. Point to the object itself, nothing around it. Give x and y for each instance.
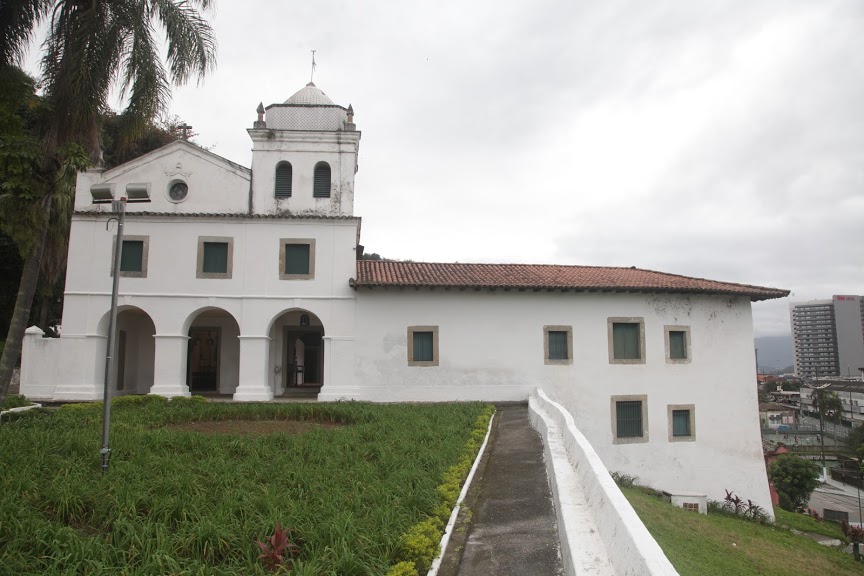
(854, 533)
(15, 401)
(733, 505)
(624, 480)
(403, 569)
(794, 477)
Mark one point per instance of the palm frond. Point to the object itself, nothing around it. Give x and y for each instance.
(18, 21)
(191, 43)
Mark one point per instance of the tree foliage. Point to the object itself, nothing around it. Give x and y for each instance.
(795, 478)
(91, 46)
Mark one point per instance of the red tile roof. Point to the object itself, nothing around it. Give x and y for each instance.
(374, 273)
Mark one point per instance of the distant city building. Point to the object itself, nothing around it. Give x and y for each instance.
(828, 337)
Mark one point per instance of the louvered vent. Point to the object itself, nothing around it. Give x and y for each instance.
(283, 180)
(321, 188)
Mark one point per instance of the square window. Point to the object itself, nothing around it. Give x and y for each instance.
(557, 345)
(677, 344)
(682, 422)
(626, 340)
(297, 259)
(629, 419)
(423, 346)
(215, 257)
(133, 256)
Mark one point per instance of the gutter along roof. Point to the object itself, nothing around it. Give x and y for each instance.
(382, 273)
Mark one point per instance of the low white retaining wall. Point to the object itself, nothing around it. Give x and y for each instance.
(630, 548)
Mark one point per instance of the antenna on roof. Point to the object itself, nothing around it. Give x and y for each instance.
(311, 76)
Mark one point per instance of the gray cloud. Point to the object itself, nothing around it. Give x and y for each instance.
(720, 139)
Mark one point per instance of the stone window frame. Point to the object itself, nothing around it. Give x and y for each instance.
(435, 357)
(672, 328)
(613, 402)
(308, 241)
(610, 322)
(199, 269)
(692, 408)
(145, 251)
(557, 361)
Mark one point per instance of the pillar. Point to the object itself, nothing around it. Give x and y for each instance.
(254, 385)
(169, 369)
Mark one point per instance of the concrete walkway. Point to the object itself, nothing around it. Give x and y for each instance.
(513, 529)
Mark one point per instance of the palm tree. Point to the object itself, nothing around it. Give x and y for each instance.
(91, 47)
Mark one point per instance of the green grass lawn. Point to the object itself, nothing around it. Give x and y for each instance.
(181, 498)
(805, 523)
(721, 545)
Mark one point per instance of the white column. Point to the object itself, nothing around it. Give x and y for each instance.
(169, 369)
(255, 375)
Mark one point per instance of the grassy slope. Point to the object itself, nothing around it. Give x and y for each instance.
(179, 502)
(700, 545)
(807, 524)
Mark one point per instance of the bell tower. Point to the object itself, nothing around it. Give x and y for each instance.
(304, 156)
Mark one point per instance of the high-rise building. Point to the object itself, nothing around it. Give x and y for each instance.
(828, 336)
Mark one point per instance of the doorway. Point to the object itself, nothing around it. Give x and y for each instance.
(203, 359)
(304, 357)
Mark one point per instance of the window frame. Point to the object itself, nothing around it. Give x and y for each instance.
(410, 346)
(280, 164)
(318, 165)
(308, 241)
(199, 273)
(610, 323)
(613, 401)
(145, 250)
(557, 361)
(668, 344)
(669, 411)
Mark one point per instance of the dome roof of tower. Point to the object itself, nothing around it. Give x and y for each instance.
(310, 95)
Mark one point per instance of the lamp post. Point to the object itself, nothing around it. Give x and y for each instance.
(104, 194)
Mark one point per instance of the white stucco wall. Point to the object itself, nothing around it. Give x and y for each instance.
(304, 150)
(491, 348)
(215, 184)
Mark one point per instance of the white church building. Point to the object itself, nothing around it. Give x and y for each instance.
(250, 283)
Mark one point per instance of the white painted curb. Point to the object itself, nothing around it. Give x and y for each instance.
(19, 409)
(436, 564)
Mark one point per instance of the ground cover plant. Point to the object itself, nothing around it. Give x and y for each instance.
(723, 544)
(181, 501)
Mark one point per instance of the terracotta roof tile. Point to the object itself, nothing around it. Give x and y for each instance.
(374, 273)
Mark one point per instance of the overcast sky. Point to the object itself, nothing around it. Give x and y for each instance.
(718, 139)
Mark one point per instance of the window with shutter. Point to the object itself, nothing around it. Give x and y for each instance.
(677, 344)
(215, 257)
(629, 419)
(682, 425)
(297, 259)
(321, 186)
(283, 180)
(423, 346)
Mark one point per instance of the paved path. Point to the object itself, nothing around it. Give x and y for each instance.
(513, 529)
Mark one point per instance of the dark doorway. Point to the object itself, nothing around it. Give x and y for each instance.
(304, 353)
(203, 360)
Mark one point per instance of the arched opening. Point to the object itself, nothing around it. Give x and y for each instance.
(134, 350)
(297, 353)
(283, 180)
(213, 356)
(321, 187)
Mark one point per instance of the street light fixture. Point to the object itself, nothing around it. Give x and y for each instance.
(103, 194)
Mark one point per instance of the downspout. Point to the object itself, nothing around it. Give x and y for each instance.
(251, 179)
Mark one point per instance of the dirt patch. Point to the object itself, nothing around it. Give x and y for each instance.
(254, 427)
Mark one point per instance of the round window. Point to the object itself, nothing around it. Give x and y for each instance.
(178, 191)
